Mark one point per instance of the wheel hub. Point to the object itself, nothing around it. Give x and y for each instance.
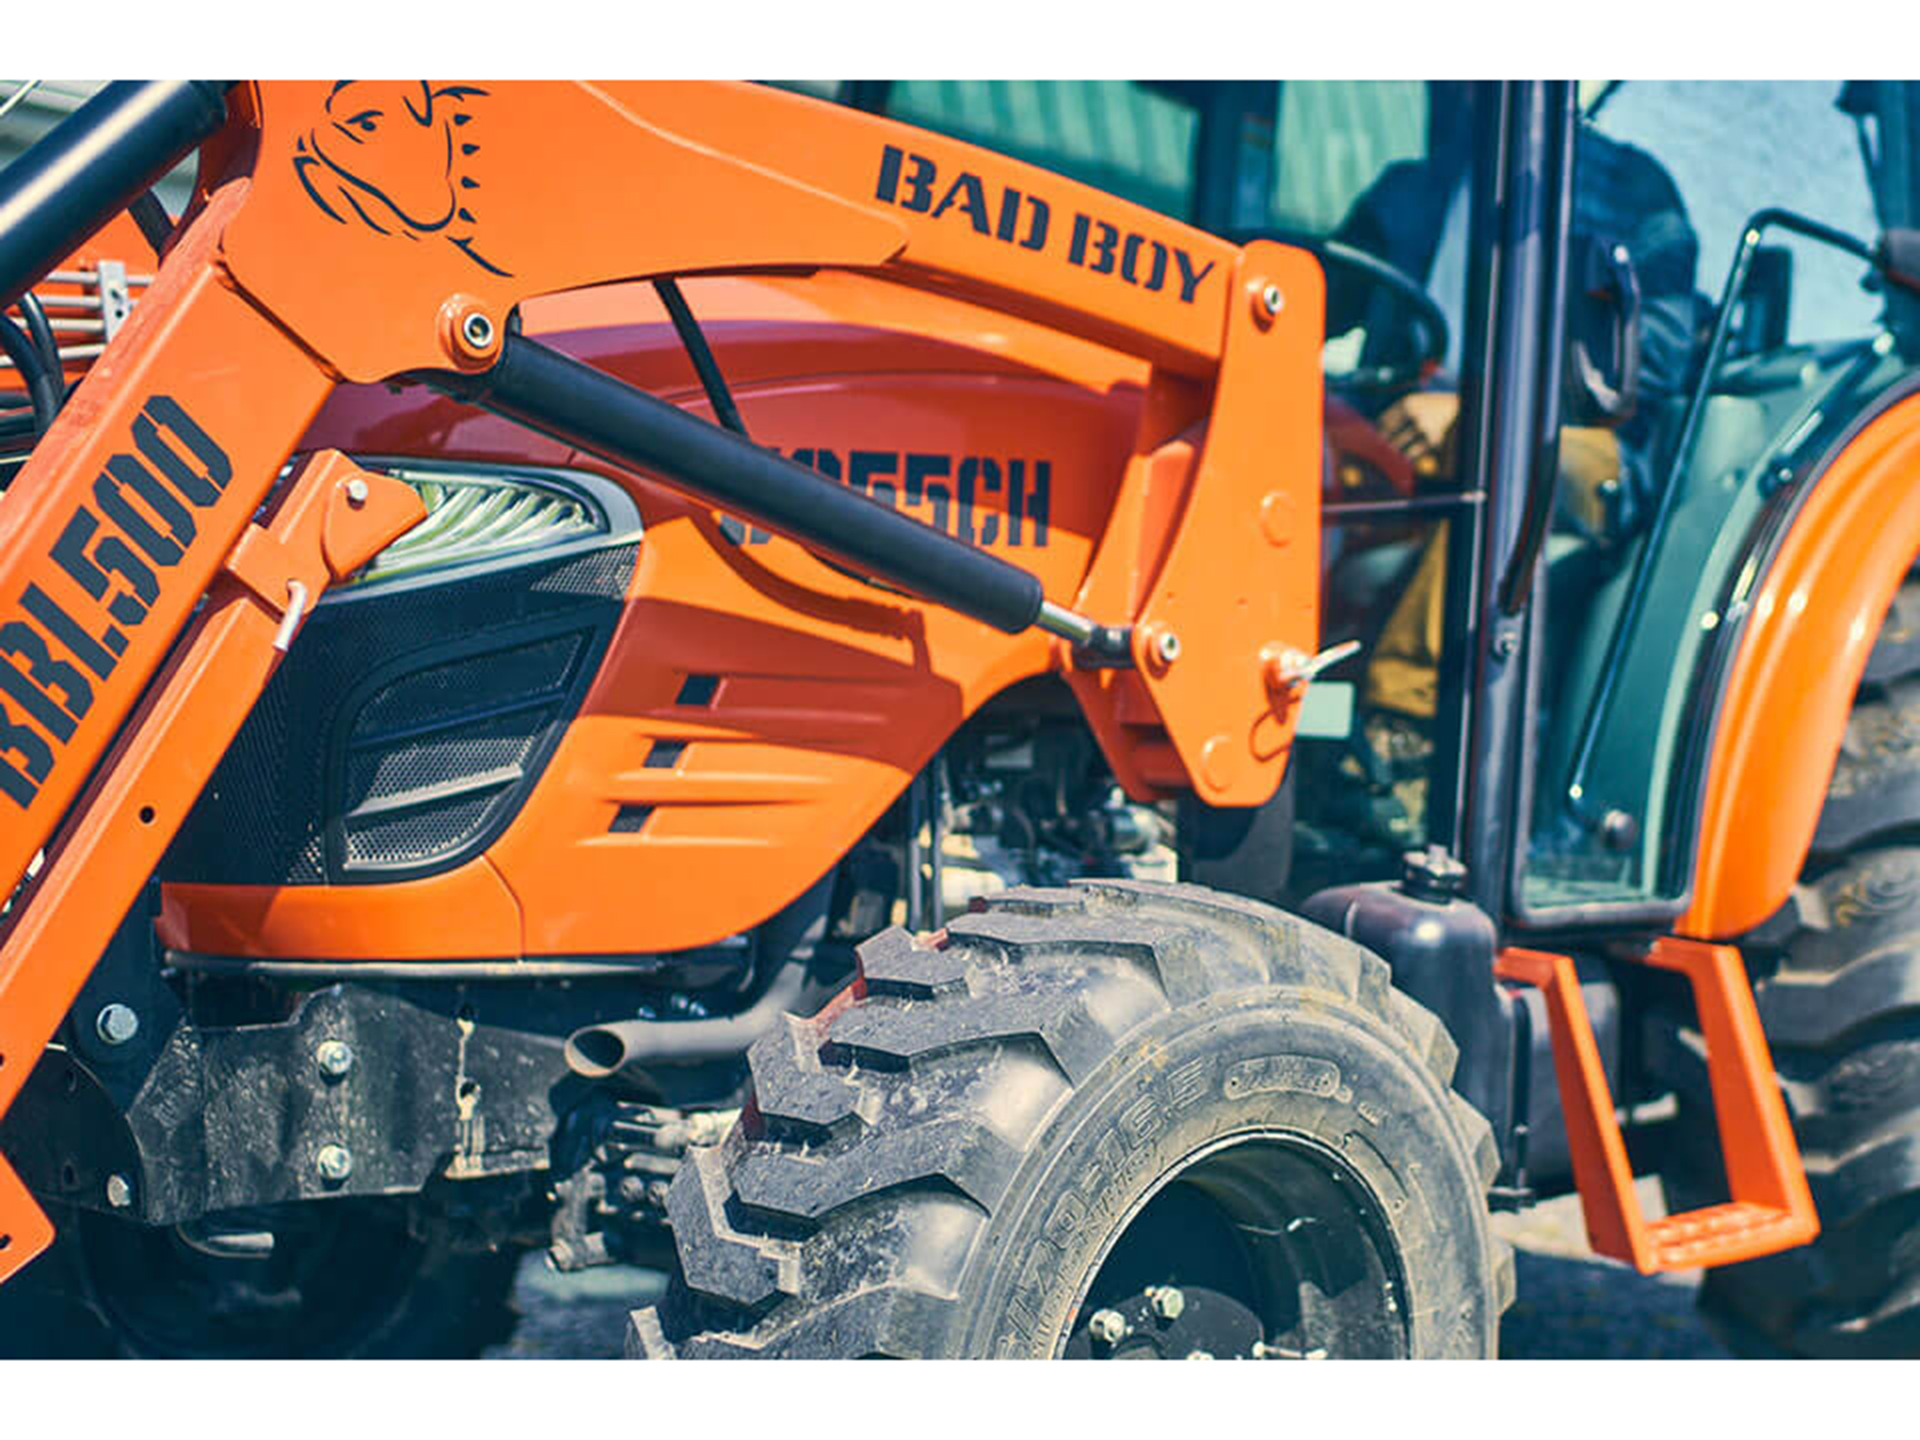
(1167, 1322)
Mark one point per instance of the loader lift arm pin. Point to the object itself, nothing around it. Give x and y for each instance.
(559, 396)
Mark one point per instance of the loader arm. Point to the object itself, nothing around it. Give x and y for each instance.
(367, 231)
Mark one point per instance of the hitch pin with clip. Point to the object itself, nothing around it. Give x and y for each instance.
(1289, 669)
(290, 617)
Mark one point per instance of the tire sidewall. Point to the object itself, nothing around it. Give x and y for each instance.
(1268, 1062)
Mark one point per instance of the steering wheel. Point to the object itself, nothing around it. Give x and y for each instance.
(1425, 314)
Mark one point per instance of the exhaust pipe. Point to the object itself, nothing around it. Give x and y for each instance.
(598, 1051)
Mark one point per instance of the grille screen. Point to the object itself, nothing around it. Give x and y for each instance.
(405, 727)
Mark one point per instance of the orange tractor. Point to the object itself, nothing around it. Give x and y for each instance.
(702, 676)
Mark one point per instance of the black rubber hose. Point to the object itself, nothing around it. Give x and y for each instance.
(694, 342)
(41, 332)
(43, 386)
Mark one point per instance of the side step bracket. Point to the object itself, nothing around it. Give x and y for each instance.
(1771, 1207)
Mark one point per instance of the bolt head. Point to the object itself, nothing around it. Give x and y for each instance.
(1168, 1302)
(119, 1192)
(334, 1057)
(1109, 1327)
(335, 1163)
(1272, 299)
(116, 1024)
(357, 491)
(1619, 831)
(1166, 646)
(477, 330)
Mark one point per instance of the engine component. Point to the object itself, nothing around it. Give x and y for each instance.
(612, 1208)
(1032, 803)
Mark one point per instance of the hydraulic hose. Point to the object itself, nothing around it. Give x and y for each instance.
(41, 332)
(43, 386)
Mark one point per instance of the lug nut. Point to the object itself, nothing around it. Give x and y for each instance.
(1167, 1301)
(1109, 1327)
(335, 1163)
(116, 1024)
(334, 1057)
(119, 1192)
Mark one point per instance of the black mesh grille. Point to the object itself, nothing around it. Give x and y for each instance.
(390, 773)
(398, 839)
(389, 739)
(481, 682)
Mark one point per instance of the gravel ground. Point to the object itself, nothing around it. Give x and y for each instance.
(1571, 1305)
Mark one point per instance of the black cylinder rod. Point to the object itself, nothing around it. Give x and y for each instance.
(559, 396)
(92, 165)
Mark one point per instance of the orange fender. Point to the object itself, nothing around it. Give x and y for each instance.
(1784, 710)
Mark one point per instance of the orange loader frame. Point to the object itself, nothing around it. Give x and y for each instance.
(300, 268)
(282, 285)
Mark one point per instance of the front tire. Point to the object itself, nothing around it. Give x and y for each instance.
(1075, 1112)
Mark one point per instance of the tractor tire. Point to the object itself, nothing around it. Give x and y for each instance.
(1842, 1015)
(349, 1282)
(1117, 1120)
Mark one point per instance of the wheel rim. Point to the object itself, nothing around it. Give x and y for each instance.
(337, 1273)
(1260, 1246)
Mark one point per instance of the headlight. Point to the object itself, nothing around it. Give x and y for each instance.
(477, 514)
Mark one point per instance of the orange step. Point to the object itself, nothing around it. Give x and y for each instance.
(1771, 1209)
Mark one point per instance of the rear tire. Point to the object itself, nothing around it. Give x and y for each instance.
(1842, 1015)
(1076, 1098)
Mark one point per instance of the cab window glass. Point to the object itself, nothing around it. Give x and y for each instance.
(1670, 453)
(1119, 135)
(1333, 140)
(1732, 146)
(819, 89)
(1375, 177)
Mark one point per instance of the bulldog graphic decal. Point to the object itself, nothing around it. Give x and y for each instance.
(393, 155)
